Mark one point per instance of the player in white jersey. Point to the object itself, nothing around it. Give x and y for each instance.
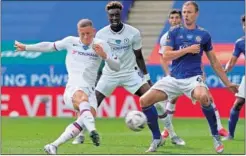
(84, 55)
(175, 18)
(126, 43)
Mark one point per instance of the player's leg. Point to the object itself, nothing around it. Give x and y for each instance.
(80, 102)
(222, 131)
(136, 84)
(195, 88)
(104, 87)
(147, 100)
(235, 110)
(165, 89)
(171, 107)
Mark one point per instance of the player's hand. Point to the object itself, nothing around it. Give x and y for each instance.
(19, 46)
(99, 50)
(194, 49)
(233, 87)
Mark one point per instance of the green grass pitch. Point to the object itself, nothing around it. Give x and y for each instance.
(29, 135)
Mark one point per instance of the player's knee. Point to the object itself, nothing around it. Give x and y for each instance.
(143, 101)
(79, 96)
(239, 103)
(204, 99)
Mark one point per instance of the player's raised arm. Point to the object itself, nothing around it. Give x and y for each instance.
(137, 48)
(103, 50)
(42, 46)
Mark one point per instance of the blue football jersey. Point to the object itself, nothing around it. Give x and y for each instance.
(190, 64)
(239, 47)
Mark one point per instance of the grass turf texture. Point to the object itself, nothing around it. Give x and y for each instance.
(29, 135)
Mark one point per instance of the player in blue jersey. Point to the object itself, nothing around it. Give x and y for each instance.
(175, 18)
(184, 46)
(240, 96)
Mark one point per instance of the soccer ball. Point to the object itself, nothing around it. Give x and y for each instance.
(135, 120)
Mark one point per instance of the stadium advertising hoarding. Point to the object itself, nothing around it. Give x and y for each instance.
(55, 75)
(48, 102)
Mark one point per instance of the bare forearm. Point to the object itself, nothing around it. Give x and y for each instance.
(173, 54)
(140, 61)
(229, 66)
(220, 72)
(164, 65)
(41, 47)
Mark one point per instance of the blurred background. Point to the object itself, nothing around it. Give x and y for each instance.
(33, 83)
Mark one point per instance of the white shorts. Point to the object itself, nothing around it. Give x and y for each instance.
(70, 90)
(131, 82)
(241, 92)
(175, 87)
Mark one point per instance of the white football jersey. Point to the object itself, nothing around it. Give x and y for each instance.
(162, 41)
(122, 44)
(82, 62)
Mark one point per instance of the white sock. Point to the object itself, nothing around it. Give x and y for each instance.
(86, 117)
(70, 132)
(219, 125)
(168, 125)
(171, 108)
(160, 107)
(82, 133)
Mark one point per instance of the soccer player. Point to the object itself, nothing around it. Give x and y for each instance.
(240, 96)
(84, 55)
(126, 43)
(175, 18)
(184, 46)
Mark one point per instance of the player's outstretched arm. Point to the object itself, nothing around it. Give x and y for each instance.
(41, 47)
(220, 71)
(230, 64)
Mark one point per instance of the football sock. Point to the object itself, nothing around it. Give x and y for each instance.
(234, 115)
(152, 119)
(209, 112)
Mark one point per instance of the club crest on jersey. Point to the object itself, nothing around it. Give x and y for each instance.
(198, 39)
(126, 40)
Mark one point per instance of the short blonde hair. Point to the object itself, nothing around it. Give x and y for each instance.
(84, 23)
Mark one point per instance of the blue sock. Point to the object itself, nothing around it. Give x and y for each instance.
(209, 112)
(152, 118)
(234, 115)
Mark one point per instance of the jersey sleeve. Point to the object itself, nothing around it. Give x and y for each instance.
(237, 50)
(137, 41)
(62, 44)
(207, 46)
(107, 49)
(170, 39)
(162, 41)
